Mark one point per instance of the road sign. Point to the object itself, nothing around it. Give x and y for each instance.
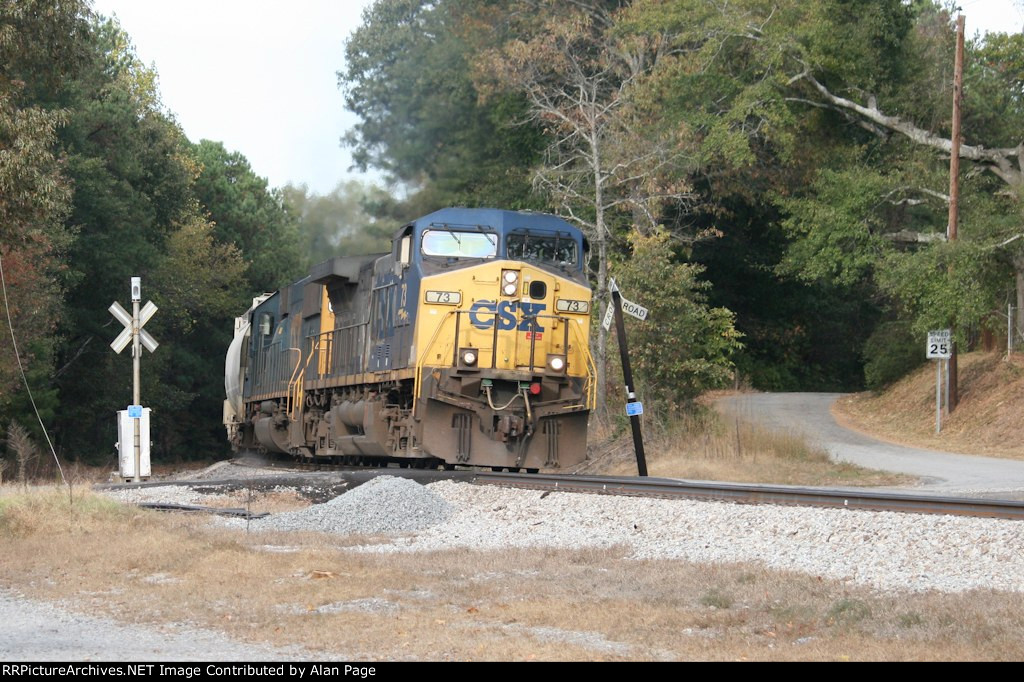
(634, 309)
(125, 318)
(134, 334)
(628, 307)
(940, 344)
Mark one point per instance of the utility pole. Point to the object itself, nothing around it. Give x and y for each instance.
(954, 186)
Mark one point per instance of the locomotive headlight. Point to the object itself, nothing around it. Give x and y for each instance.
(556, 363)
(468, 357)
(509, 282)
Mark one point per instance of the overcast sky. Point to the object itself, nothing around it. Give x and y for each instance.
(260, 75)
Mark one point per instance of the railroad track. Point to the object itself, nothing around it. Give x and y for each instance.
(743, 493)
(760, 494)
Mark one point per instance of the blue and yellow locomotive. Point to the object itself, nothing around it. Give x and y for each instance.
(467, 344)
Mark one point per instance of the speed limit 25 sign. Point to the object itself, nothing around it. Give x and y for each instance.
(940, 344)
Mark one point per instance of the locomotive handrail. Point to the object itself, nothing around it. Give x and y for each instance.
(417, 382)
(294, 393)
(588, 359)
(327, 341)
(533, 340)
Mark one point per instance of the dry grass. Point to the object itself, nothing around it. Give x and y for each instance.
(728, 447)
(543, 604)
(987, 421)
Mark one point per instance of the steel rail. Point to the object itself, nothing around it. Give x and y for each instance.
(760, 494)
(193, 508)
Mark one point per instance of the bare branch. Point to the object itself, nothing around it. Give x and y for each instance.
(916, 237)
(998, 161)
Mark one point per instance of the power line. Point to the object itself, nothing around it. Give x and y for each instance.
(17, 355)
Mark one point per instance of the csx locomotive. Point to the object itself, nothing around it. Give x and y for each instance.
(466, 345)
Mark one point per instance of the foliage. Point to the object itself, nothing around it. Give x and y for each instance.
(339, 223)
(947, 285)
(605, 165)
(408, 78)
(249, 215)
(685, 347)
(826, 117)
(802, 136)
(99, 185)
(890, 352)
(198, 277)
(994, 100)
(34, 192)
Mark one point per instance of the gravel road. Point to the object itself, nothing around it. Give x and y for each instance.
(38, 631)
(940, 472)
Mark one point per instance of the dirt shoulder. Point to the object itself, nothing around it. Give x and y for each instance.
(986, 422)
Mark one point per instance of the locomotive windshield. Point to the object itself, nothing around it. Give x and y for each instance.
(457, 244)
(558, 248)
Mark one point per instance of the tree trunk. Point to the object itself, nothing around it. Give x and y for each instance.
(602, 295)
(1018, 326)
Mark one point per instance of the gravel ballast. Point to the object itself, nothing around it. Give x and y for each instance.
(884, 550)
(385, 504)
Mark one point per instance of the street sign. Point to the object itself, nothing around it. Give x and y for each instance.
(940, 344)
(628, 307)
(634, 309)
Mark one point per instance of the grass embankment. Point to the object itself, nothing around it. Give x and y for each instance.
(547, 604)
(727, 447)
(986, 422)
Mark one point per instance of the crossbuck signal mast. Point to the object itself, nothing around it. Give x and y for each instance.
(133, 423)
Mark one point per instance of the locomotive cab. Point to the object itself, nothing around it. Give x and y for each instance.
(503, 366)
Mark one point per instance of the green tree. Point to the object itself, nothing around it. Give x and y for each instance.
(604, 165)
(685, 346)
(409, 79)
(132, 176)
(830, 120)
(249, 215)
(41, 44)
(98, 184)
(200, 287)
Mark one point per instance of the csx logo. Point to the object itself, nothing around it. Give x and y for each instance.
(481, 315)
